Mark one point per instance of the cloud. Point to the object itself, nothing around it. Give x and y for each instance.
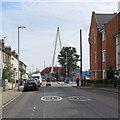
(41, 20)
(60, 1)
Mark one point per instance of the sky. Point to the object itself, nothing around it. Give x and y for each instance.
(41, 19)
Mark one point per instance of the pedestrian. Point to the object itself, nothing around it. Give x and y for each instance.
(115, 82)
(81, 81)
(77, 81)
(84, 81)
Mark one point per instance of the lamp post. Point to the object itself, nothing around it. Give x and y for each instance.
(1, 64)
(66, 67)
(19, 54)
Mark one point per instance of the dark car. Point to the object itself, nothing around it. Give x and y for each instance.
(30, 85)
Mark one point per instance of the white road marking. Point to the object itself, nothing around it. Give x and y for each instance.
(51, 98)
(79, 98)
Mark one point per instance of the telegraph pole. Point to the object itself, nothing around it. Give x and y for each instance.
(81, 52)
(66, 67)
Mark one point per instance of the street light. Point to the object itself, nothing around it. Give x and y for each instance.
(66, 67)
(19, 53)
(1, 64)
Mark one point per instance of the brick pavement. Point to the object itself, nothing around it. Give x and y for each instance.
(9, 95)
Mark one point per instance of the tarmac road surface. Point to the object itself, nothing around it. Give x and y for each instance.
(60, 101)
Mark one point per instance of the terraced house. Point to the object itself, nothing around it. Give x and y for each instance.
(103, 41)
(9, 57)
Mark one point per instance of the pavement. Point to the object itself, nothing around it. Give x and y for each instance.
(9, 95)
(73, 84)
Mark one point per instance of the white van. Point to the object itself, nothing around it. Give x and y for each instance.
(38, 78)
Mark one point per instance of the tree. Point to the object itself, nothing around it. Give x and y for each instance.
(7, 73)
(30, 75)
(37, 71)
(22, 72)
(72, 58)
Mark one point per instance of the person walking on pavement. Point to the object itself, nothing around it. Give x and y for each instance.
(81, 81)
(115, 82)
(77, 81)
(84, 81)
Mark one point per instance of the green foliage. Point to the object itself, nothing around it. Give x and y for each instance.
(106, 81)
(72, 58)
(37, 71)
(118, 81)
(30, 75)
(7, 73)
(22, 72)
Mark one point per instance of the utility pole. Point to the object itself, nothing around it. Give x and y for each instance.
(81, 52)
(66, 67)
(19, 55)
(1, 64)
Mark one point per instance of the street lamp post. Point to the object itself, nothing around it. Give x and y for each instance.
(1, 64)
(19, 54)
(66, 68)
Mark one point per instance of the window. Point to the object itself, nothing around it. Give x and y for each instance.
(94, 39)
(103, 74)
(95, 57)
(103, 35)
(104, 56)
(95, 75)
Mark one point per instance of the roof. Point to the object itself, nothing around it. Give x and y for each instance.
(102, 19)
(48, 69)
(116, 33)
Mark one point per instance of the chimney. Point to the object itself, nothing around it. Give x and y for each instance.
(8, 50)
(13, 53)
(2, 44)
(16, 56)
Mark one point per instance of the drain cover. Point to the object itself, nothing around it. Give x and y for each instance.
(51, 98)
(79, 98)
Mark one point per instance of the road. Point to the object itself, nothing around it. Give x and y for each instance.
(60, 101)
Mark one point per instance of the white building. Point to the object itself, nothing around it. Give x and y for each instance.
(14, 63)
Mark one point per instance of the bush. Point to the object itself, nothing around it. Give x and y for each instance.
(118, 81)
(106, 81)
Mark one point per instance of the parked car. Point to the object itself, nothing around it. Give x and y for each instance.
(30, 85)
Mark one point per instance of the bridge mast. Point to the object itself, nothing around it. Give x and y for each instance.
(57, 36)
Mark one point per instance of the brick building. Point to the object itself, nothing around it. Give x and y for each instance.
(102, 44)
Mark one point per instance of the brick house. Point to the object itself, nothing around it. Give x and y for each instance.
(102, 44)
(117, 38)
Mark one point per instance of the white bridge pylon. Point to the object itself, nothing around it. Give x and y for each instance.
(57, 37)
